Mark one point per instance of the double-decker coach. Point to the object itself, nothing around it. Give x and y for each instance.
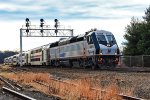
(38, 56)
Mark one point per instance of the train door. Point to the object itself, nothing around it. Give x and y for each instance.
(90, 47)
(44, 56)
(29, 57)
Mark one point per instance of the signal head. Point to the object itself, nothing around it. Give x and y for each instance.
(42, 20)
(41, 31)
(55, 20)
(56, 31)
(27, 19)
(27, 30)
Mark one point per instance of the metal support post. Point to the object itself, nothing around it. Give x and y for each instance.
(142, 61)
(20, 47)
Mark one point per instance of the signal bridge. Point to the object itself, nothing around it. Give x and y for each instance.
(43, 30)
(46, 31)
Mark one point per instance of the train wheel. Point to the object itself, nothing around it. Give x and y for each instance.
(94, 67)
(113, 65)
(70, 64)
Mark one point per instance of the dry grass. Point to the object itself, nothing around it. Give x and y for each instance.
(6, 67)
(70, 90)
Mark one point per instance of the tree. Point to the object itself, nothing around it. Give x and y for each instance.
(138, 36)
(133, 35)
(147, 15)
(6, 54)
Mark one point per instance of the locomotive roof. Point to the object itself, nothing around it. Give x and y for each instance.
(100, 32)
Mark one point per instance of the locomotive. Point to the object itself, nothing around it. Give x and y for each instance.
(95, 48)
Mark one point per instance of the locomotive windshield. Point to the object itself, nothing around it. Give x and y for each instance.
(102, 39)
(111, 39)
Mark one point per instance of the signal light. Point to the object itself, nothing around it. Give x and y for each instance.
(27, 30)
(27, 19)
(27, 22)
(56, 23)
(56, 20)
(41, 31)
(42, 22)
(41, 25)
(56, 31)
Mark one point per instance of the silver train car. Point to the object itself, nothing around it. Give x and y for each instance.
(96, 48)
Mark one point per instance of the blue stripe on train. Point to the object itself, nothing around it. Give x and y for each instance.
(96, 44)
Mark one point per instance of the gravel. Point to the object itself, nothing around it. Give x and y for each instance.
(130, 83)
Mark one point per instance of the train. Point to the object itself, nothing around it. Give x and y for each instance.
(95, 48)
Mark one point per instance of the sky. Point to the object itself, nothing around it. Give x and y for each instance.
(80, 15)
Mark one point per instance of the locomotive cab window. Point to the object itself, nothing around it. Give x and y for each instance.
(111, 39)
(101, 39)
(89, 40)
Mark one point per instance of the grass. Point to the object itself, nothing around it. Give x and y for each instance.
(5, 68)
(68, 89)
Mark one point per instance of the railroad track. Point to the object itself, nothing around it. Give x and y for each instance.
(126, 97)
(17, 94)
(11, 83)
(15, 86)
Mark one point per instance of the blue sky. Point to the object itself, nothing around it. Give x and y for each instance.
(111, 15)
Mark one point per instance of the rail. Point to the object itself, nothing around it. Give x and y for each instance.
(11, 83)
(129, 97)
(17, 94)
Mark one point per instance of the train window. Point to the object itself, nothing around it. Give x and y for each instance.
(101, 38)
(111, 39)
(35, 59)
(89, 40)
(23, 54)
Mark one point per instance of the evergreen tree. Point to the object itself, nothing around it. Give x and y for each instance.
(138, 36)
(6, 54)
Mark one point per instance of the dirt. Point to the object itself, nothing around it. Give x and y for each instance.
(129, 83)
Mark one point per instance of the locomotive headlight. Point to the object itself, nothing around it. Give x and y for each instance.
(108, 45)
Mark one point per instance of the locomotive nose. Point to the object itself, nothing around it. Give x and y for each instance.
(109, 50)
